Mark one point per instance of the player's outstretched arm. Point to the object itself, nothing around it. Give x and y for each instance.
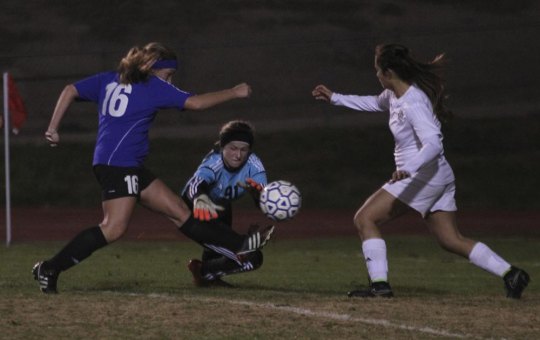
(321, 92)
(206, 100)
(67, 96)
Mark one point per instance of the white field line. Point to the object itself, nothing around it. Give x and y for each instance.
(319, 314)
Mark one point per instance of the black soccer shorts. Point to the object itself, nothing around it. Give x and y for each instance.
(118, 181)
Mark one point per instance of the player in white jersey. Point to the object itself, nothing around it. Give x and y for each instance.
(423, 180)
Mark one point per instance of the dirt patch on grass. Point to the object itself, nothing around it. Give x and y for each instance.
(124, 315)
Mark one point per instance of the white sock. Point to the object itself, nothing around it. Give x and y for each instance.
(486, 259)
(374, 251)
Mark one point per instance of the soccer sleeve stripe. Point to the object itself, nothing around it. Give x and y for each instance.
(196, 186)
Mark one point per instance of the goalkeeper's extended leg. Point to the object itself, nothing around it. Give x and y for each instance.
(255, 240)
(220, 238)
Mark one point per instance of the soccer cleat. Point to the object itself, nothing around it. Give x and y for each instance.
(253, 228)
(47, 278)
(376, 289)
(256, 240)
(219, 283)
(194, 267)
(515, 282)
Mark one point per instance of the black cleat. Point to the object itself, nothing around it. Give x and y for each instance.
(47, 278)
(220, 283)
(255, 240)
(376, 289)
(515, 282)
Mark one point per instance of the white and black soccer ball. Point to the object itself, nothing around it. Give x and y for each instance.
(280, 200)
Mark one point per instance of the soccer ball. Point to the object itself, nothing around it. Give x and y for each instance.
(280, 200)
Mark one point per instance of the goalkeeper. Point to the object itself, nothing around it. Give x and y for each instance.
(228, 172)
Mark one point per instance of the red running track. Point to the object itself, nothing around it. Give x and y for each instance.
(34, 224)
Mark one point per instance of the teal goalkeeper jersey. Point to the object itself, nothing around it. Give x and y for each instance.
(220, 183)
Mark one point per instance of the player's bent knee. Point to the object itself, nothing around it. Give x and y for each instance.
(360, 220)
(177, 221)
(113, 232)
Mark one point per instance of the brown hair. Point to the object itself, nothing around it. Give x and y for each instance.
(236, 130)
(427, 76)
(136, 66)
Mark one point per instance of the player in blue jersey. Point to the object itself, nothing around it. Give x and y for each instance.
(228, 172)
(128, 100)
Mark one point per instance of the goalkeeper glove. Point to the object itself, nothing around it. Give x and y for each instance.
(251, 185)
(204, 209)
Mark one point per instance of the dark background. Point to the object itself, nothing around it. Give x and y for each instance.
(283, 49)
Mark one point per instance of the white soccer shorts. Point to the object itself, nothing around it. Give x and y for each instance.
(423, 197)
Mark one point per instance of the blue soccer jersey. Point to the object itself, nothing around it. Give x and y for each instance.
(126, 112)
(221, 184)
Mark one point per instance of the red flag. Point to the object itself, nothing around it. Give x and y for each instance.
(17, 110)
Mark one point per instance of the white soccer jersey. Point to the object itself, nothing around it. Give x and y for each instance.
(416, 129)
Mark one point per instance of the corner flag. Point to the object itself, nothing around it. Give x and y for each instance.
(14, 116)
(17, 109)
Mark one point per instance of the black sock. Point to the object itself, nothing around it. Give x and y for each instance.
(214, 232)
(78, 249)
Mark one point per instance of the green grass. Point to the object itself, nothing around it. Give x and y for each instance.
(143, 289)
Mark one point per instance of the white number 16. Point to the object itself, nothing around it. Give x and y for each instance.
(132, 184)
(116, 99)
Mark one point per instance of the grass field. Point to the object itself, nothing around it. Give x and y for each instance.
(142, 290)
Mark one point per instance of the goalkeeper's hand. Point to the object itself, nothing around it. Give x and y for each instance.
(253, 187)
(204, 209)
